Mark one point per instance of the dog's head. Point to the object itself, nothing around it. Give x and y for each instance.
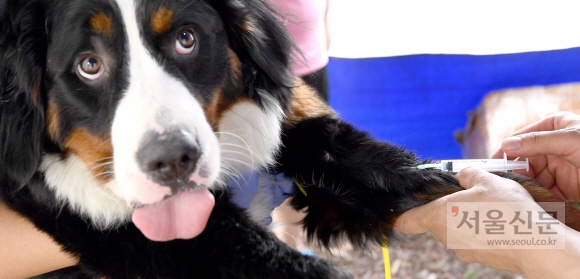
(143, 103)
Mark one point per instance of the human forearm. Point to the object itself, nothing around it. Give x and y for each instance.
(556, 263)
(24, 250)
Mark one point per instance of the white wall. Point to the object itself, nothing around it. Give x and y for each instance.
(378, 28)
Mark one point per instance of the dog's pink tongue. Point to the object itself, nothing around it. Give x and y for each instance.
(182, 216)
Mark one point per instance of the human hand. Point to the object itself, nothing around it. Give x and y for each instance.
(553, 148)
(480, 186)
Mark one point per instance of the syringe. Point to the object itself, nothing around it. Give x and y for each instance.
(491, 165)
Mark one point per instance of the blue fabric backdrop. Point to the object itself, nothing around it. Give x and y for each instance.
(419, 101)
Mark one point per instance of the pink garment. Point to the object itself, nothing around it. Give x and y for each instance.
(305, 19)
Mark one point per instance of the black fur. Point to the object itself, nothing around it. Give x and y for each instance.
(93, 109)
(211, 38)
(268, 71)
(356, 186)
(22, 56)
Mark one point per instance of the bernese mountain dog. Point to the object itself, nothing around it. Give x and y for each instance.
(121, 122)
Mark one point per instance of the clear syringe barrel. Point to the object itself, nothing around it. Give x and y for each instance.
(491, 165)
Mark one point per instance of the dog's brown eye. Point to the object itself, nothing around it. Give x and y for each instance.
(185, 42)
(91, 67)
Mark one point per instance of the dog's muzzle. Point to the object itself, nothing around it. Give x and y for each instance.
(169, 158)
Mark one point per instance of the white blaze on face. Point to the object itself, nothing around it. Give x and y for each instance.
(155, 101)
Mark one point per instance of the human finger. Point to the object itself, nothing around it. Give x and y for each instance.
(563, 143)
(419, 219)
(471, 176)
(555, 121)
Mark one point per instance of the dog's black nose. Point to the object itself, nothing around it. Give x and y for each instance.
(169, 158)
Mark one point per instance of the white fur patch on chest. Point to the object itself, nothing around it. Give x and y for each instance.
(75, 186)
(249, 136)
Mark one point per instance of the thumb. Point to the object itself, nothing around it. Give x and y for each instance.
(559, 142)
(418, 220)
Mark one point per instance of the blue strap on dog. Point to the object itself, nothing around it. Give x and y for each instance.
(274, 188)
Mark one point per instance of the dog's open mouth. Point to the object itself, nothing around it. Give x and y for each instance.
(182, 216)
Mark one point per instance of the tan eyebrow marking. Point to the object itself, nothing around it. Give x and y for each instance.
(101, 24)
(161, 20)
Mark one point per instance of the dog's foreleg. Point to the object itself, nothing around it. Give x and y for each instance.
(356, 186)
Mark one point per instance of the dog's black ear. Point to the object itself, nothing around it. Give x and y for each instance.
(22, 57)
(262, 43)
